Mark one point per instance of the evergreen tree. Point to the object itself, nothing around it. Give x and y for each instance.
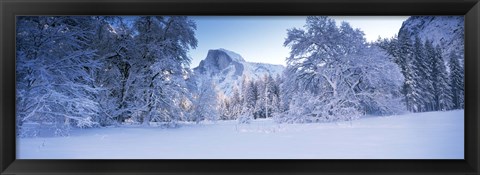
(251, 97)
(405, 59)
(277, 96)
(423, 82)
(456, 82)
(237, 102)
(431, 65)
(442, 91)
(271, 104)
(224, 107)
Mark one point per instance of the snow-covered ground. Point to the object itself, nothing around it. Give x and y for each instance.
(432, 135)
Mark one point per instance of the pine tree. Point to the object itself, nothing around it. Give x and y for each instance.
(224, 107)
(442, 91)
(423, 82)
(251, 95)
(431, 62)
(456, 82)
(277, 96)
(270, 94)
(237, 102)
(405, 61)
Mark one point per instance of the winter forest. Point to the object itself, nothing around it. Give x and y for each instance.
(112, 82)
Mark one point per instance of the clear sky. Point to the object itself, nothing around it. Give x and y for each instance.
(260, 38)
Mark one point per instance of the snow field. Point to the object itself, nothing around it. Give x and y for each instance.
(431, 135)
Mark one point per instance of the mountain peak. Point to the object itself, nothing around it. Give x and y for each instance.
(226, 68)
(220, 59)
(234, 56)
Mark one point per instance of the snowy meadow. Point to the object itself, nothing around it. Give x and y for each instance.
(409, 136)
(106, 87)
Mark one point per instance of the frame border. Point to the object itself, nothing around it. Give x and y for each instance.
(10, 8)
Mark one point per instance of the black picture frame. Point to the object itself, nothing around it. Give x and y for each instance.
(10, 8)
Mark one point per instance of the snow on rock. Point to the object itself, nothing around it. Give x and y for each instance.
(431, 135)
(446, 31)
(227, 68)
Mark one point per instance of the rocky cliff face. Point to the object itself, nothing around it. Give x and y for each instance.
(219, 60)
(226, 69)
(446, 31)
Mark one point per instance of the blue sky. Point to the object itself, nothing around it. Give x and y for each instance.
(260, 38)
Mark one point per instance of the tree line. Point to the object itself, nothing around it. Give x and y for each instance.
(431, 84)
(256, 99)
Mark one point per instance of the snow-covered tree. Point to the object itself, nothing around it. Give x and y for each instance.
(456, 82)
(287, 91)
(415, 83)
(268, 97)
(262, 98)
(405, 57)
(442, 92)
(223, 107)
(278, 103)
(205, 102)
(114, 47)
(301, 109)
(157, 84)
(231, 108)
(54, 71)
(423, 78)
(236, 103)
(379, 83)
(424, 72)
(250, 98)
(337, 70)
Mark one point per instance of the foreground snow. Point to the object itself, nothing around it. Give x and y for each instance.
(432, 135)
